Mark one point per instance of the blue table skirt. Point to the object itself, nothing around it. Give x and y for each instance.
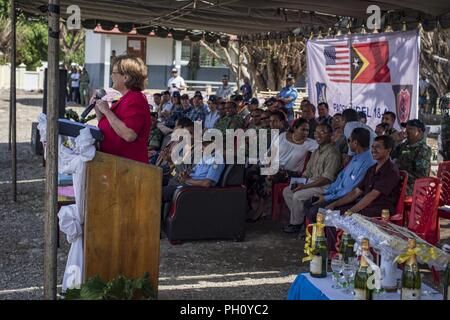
(302, 289)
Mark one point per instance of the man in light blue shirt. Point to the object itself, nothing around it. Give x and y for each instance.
(213, 115)
(349, 177)
(206, 174)
(350, 117)
(289, 94)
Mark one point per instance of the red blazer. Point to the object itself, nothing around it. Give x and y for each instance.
(133, 110)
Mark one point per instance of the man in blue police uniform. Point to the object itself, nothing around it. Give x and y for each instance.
(205, 174)
(289, 94)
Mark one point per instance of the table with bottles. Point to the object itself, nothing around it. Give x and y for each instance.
(306, 287)
(357, 275)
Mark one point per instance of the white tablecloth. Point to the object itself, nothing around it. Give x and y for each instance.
(324, 285)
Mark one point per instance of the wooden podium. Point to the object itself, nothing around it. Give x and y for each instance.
(122, 218)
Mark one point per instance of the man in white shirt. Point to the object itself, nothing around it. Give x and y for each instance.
(176, 82)
(225, 90)
(75, 82)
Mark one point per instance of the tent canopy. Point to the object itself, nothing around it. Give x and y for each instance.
(240, 17)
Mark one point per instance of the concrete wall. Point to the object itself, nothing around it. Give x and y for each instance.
(25, 80)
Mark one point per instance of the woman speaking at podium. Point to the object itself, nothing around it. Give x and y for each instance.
(126, 125)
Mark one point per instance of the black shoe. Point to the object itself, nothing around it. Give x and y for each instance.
(292, 228)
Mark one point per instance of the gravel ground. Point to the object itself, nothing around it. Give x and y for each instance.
(261, 267)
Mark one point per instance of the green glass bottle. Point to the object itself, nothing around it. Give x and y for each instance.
(363, 274)
(411, 279)
(318, 265)
(346, 247)
(447, 283)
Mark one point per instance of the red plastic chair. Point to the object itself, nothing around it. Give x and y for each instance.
(277, 193)
(444, 176)
(423, 219)
(399, 217)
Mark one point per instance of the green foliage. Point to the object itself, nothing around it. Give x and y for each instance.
(32, 40)
(32, 47)
(121, 288)
(73, 115)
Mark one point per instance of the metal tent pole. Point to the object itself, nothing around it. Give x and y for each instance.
(51, 168)
(12, 113)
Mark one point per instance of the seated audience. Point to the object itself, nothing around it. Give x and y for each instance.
(380, 187)
(235, 120)
(176, 101)
(324, 116)
(253, 104)
(186, 111)
(349, 177)
(242, 109)
(200, 109)
(338, 137)
(271, 104)
(166, 105)
(350, 117)
(381, 129)
(265, 119)
(255, 120)
(155, 139)
(377, 191)
(413, 155)
(156, 102)
(362, 117)
(278, 121)
(321, 170)
(222, 123)
(204, 174)
(309, 113)
(164, 159)
(389, 118)
(213, 115)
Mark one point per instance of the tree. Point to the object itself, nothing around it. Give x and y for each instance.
(434, 58)
(32, 40)
(72, 45)
(266, 63)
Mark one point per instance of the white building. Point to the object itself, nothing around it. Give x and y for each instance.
(159, 54)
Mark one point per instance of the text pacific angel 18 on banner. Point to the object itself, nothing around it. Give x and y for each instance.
(373, 73)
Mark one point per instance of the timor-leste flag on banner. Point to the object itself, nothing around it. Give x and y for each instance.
(369, 62)
(373, 73)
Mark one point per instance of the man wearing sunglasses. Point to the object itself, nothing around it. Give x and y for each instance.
(176, 82)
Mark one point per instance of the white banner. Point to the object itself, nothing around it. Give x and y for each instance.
(373, 73)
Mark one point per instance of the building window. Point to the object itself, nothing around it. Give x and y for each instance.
(207, 60)
(186, 51)
(136, 47)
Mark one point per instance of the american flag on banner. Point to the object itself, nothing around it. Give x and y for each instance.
(337, 62)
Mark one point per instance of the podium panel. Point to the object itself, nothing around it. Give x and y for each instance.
(122, 223)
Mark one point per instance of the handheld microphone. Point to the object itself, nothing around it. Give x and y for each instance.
(100, 93)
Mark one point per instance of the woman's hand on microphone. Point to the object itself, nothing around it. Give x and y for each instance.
(102, 106)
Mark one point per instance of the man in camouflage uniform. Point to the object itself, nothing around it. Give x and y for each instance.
(222, 123)
(84, 87)
(235, 120)
(444, 104)
(413, 155)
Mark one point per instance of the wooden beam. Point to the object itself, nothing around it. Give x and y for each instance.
(12, 101)
(51, 168)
